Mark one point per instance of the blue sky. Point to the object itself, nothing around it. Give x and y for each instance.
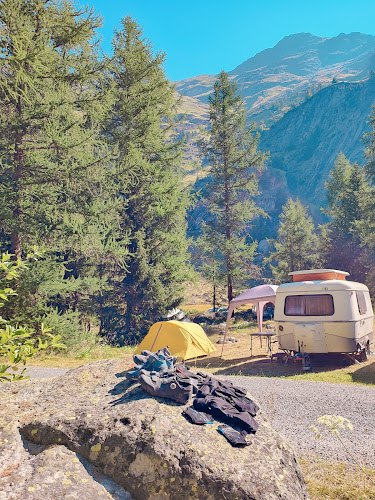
(206, 36)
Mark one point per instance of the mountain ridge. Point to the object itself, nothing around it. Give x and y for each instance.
(334, 120)
(278, 78)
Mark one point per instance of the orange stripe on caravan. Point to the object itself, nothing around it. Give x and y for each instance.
(318, 277)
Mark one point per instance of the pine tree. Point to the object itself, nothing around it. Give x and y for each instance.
(343, 185)
(142, 128)
(367, 201)
(296, 242)
(366, 226)
(343, 249)
(231, 151)
(55, 174)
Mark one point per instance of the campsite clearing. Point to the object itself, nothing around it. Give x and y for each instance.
(326, 480)
(236, 360)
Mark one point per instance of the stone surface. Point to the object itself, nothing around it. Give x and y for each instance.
(92, 416)
(33, 472)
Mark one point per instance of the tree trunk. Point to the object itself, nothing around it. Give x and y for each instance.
(16, 240)
(230, 289)
(16, 245)
(101, 315)
(129, 311)
(227, 230)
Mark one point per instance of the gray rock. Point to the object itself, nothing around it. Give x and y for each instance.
(146, 446)
(33, 472)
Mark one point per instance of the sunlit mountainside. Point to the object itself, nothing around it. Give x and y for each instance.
(279, 77)
(305, 142)
(311, 98)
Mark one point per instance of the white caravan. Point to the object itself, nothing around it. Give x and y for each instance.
(320, 312)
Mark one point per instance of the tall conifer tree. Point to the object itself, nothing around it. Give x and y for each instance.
(346, 186)
(54, 184)
(296, 242)
(231, 151)
(154, 218)
(366, 227)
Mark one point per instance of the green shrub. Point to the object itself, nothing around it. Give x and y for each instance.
(18, 343)
(74, 333)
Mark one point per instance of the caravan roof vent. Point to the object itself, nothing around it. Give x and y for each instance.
(318, 275)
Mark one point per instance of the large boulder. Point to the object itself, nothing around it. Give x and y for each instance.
(34, 472)
(145, 446)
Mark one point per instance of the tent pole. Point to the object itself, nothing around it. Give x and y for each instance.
(259, 320)
(156, 336)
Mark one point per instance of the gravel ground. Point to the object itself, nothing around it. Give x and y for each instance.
(293, 406)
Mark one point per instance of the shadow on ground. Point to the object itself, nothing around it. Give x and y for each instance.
(263, 366)
(365, 374)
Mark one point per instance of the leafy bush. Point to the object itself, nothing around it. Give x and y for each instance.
(18, 343)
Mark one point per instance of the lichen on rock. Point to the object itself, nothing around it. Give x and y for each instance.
(147, 447)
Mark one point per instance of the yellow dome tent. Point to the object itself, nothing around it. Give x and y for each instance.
(185, 340)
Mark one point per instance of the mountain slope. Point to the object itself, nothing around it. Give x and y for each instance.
(304, 141)
(275, 79)
(303, 147)
(304, 144)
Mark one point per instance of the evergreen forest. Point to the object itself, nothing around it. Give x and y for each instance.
(93, 199)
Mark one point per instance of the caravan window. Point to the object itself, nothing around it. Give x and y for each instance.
(309, 305)
(361, 300)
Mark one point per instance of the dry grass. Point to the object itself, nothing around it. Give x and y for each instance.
(236, 360)
(337, 481)
(191, 309)
(193, 107)
(74, 359)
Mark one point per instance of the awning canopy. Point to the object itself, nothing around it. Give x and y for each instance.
(259, 296)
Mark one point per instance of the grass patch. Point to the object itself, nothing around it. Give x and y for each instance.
(81, 356)
(194, 309)
(336, 481)
(362, 374)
